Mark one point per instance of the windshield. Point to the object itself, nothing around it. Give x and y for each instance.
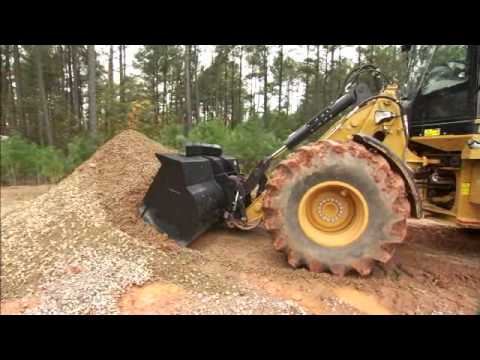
(419, 59)
(435, 67)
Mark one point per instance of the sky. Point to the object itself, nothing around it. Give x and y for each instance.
(296, 52)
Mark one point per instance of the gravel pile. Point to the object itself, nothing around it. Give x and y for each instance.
(73, 220)
(52, 229)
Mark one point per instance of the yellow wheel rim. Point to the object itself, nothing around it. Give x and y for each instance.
(333, 214)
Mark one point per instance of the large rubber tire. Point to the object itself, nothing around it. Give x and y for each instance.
(349, 162)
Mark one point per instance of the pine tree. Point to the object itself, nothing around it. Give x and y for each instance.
(188, 99)
(92, 88)
(43, 108)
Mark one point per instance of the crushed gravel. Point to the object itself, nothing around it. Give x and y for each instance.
(52, 229)
(93, 285)
(246, 304)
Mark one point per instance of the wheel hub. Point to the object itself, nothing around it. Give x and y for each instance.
(333, 213)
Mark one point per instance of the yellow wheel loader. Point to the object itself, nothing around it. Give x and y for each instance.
(341, 203)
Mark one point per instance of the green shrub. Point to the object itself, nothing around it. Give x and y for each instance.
(79, 150)
(22, 161)
(169, 135)
(282, 125)
(51, 163)
(17, 159)
(249, 142)
(210, 132)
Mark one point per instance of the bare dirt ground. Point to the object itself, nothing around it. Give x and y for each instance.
(435, 272)
(87, 252)
(13, 197)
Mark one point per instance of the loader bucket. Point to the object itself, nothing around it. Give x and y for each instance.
(185, 199)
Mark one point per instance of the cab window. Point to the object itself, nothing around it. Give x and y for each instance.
(448, 68)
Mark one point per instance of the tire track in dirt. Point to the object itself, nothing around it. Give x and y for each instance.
(422, 278)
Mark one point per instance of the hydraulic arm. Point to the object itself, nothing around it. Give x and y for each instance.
(354, 96)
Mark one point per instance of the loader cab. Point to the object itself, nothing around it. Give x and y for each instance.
(442, 89)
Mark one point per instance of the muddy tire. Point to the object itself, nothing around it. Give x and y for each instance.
(380, 189)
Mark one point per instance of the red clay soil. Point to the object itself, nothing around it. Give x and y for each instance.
(158, 298)
(422, 278)
(17, 306)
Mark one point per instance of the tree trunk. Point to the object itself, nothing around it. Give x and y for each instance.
(252, 94)
(340, 59)
(165, 82)
(70, 86)
(332, 62)
(80, 95)
(307, 80)
(197, 93)
(325, 79)
(61, 90)
(120, 51)
(2, 119)
(110, 67)
(76, 87)
(43, 98)
(173, 92)
(240, 82)
(66, 83)
(19, 88)
(288, 96)
(92, 90)
(124, 48)
(155, 79)
(225, 99)
(317, 75)
(111, 94)
(177, 96)
(188, 103)
(280, 80)
(265, 85)
(12, 124)
(233, 118)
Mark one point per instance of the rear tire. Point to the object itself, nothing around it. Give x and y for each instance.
(373, 189)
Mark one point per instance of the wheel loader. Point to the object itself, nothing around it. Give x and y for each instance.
(339, 204)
